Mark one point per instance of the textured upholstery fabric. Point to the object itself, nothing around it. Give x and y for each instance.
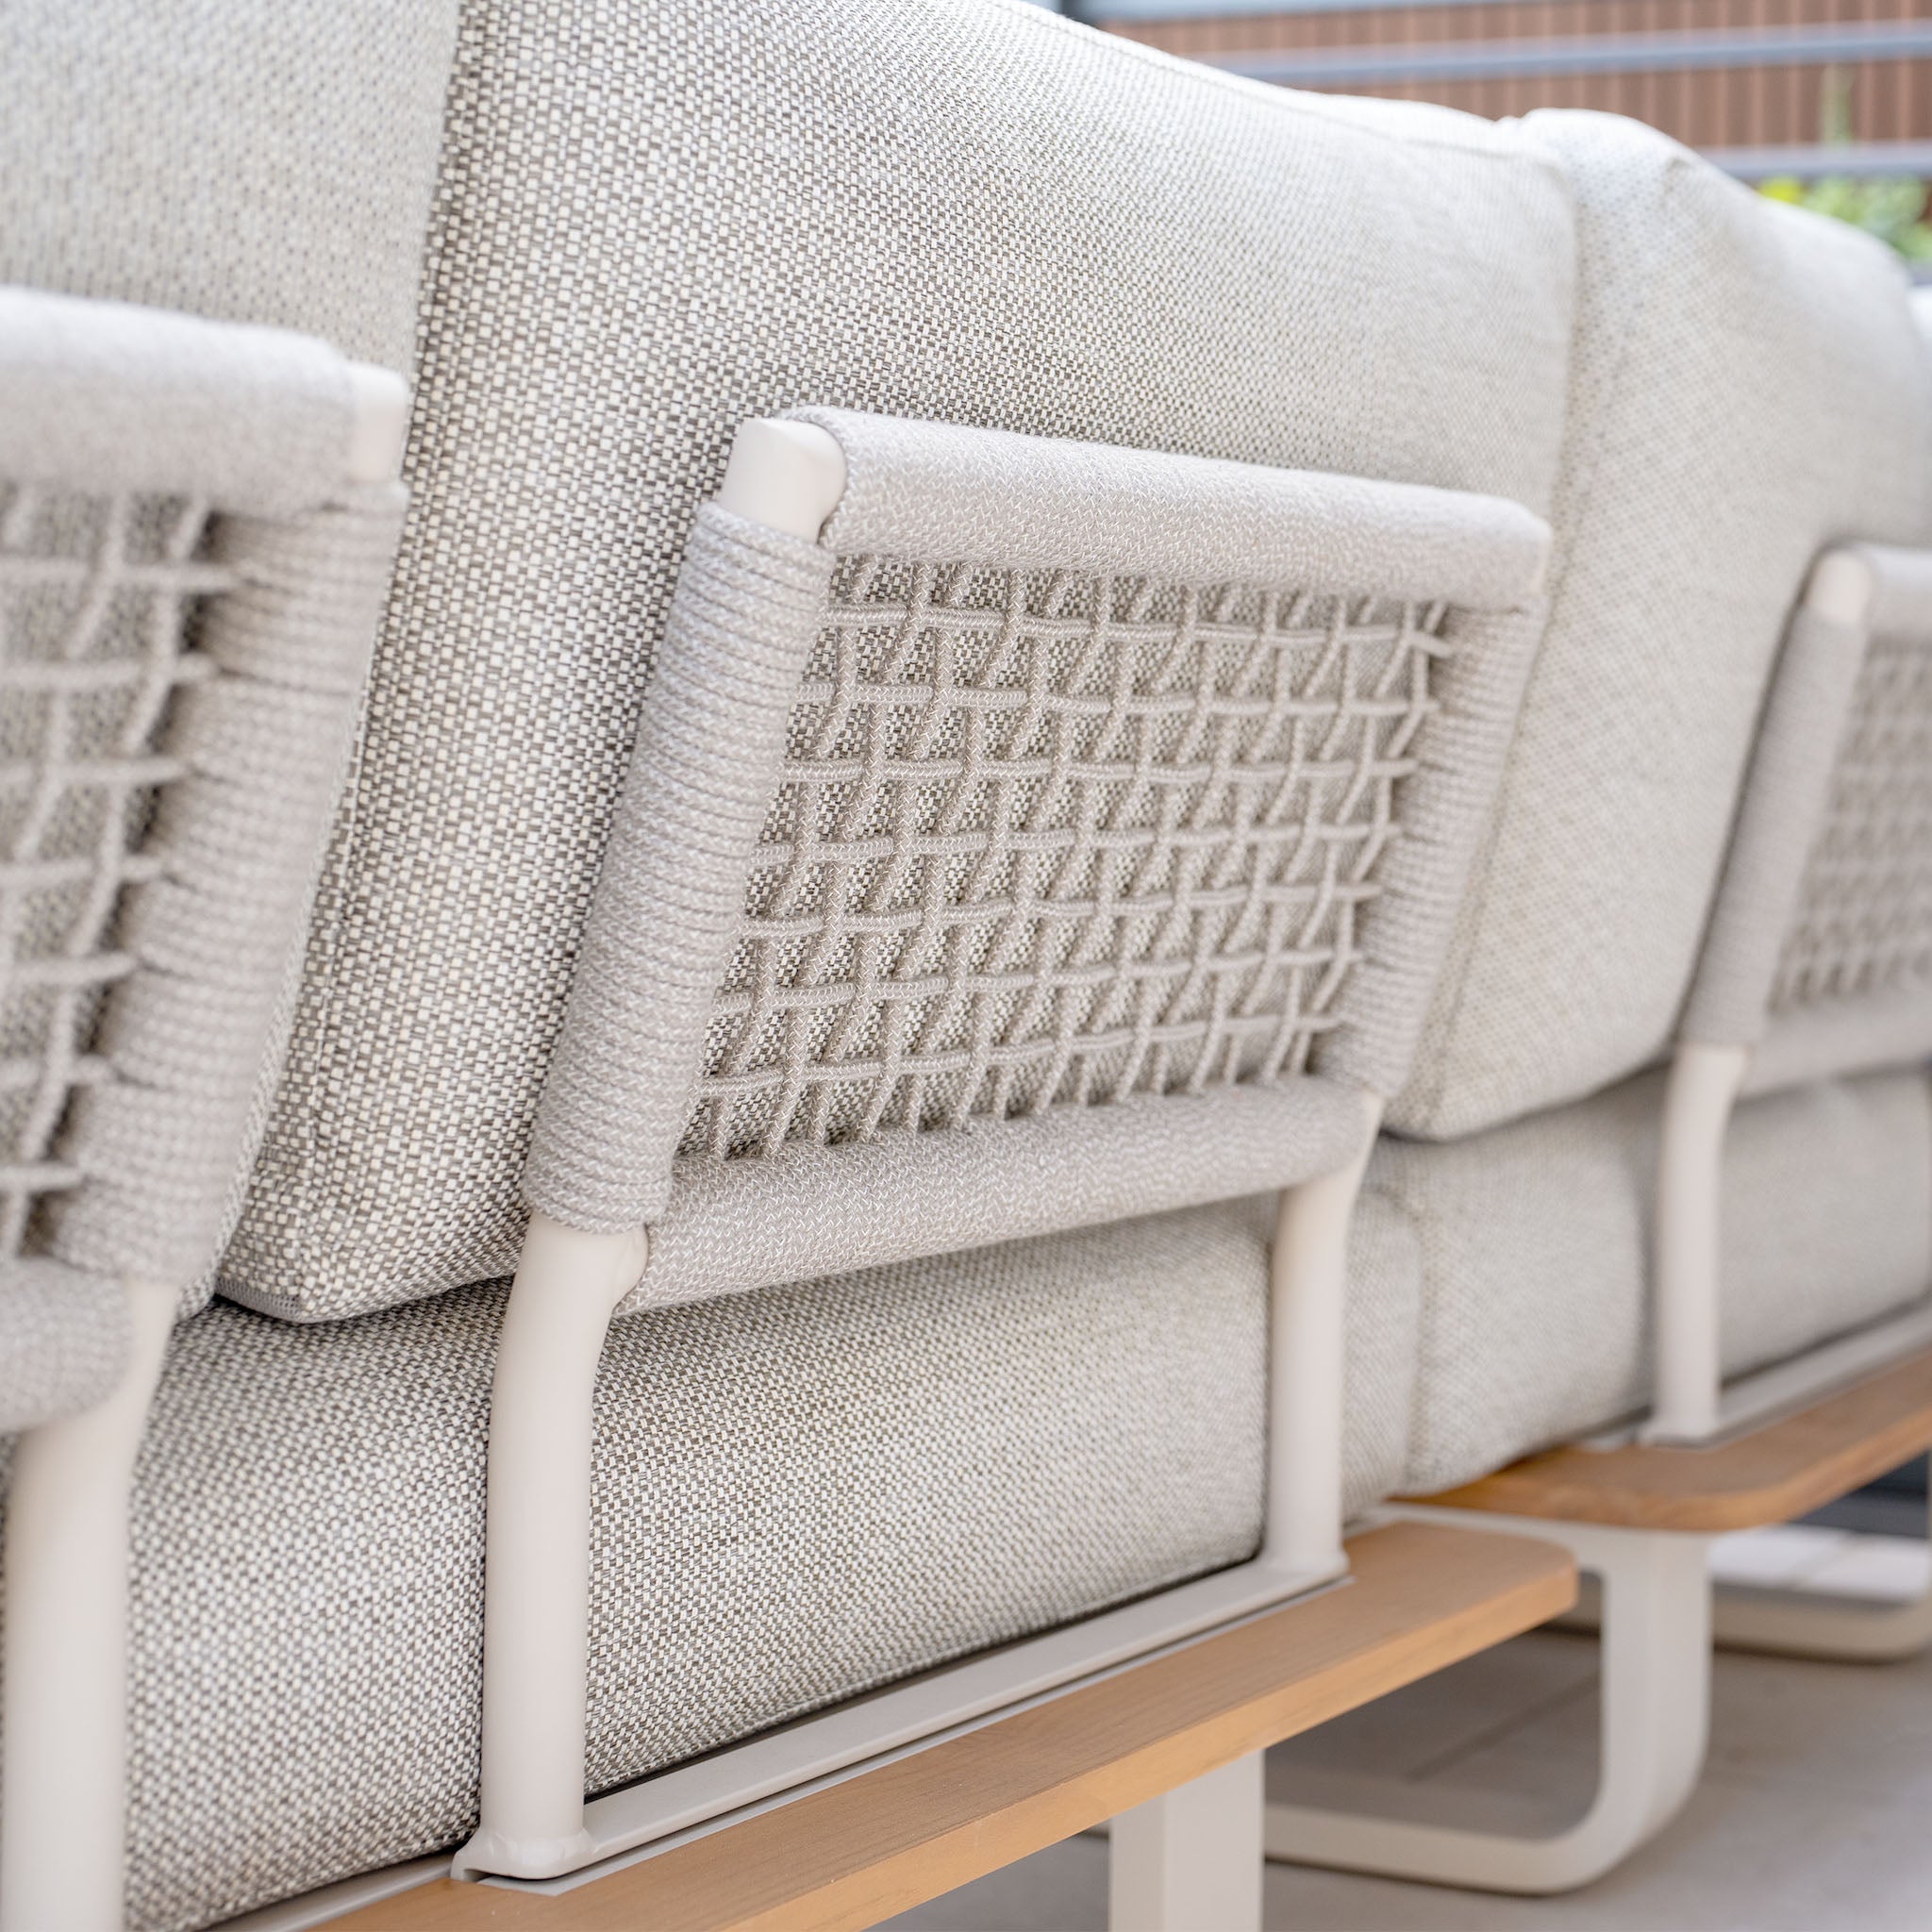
(649, 228)
(797, 1493)
(1045, 828)
(249, 162)
(782, 1217)
(1533, 1243)
(1384, 1327)
(1788, 785)
(951, 494)
(189, 586)
(1746, 385)
(64, 1339)
(107, 396)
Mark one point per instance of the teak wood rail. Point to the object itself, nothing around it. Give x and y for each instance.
(1767, 1475)
(1420, 1597)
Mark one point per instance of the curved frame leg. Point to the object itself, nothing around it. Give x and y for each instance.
(63, 1763)
(1656, 1708)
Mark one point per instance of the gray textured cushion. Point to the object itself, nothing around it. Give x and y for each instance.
(648, 229)
(798, 1493)
(1746, 385)
(251, 161)
(1532, 1243)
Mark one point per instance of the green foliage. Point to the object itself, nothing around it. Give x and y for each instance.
(1892, 210)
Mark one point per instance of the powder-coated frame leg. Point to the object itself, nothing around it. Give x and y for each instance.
(1190, 1859)
(1655, 1723)
(537, 1548)
(63, 1763)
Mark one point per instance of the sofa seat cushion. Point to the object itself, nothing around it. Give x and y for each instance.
(799, 1495)
(1532, 1242)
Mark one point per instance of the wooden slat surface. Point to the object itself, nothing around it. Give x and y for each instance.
(1771, 1474)
(1421, 1596)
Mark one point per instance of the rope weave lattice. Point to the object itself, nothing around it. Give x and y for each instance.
(1046, 840)
(1865, 918)
(95, 595)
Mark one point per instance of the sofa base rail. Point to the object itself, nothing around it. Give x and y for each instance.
(943, 1701)
(1752, 1400)
(1165, 1753)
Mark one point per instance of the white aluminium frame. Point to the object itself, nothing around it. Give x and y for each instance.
(535, 1822)
(63, 1768)
(1660, 1610)
(1692, 1404)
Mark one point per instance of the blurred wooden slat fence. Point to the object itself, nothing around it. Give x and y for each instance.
(1756, 83)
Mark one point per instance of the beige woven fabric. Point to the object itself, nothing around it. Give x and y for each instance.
(947, 494)
(1781, 813)
(113, 398)
(1038, 839)
(751, 1223)
(64, 1341)
(1862, 926)
(178, 675)
(983, 215)
(250, 162)
(1534, 1242)
(1747, 385)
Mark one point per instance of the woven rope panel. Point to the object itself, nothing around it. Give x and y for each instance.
(1046, 840)
(94, 599)
(1864, 919)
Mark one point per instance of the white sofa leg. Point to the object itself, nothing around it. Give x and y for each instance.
(63, 1769)
(1191, 1861)
(1655, 1699)
(537, 1549)
(1688, 1263)
(1308, 1298)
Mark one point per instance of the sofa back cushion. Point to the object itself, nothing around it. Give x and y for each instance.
(248, 162)
(1746, 387)
(651, 227)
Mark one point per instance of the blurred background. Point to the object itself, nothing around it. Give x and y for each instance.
(1827, 103)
